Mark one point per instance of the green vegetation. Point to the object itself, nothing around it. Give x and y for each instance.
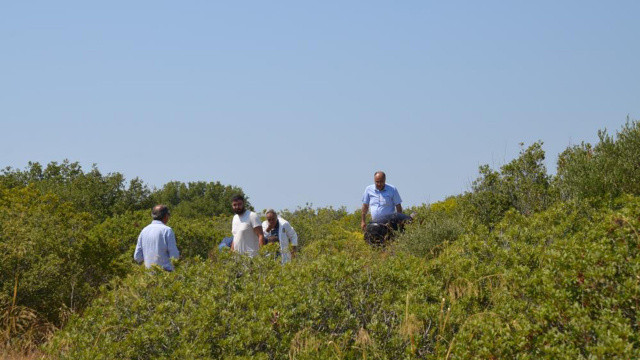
(524, 265)
(197, 199)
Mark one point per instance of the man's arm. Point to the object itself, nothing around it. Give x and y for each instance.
(137, 255)
(171, 245)
(365, 210)
(398, 201)
(293, 238)
(233, 234)
(266, 225)
(260, 233)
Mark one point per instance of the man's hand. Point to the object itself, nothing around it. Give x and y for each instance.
(260, 234)
(365, 210)
(271, 239)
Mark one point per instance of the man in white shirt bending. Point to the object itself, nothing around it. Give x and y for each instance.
(246, 228)
(279, 230)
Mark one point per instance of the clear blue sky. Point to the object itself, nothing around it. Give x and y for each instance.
(300, 101)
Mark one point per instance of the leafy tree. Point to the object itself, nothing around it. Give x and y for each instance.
(40, 241)
(488, 200)
(93, 192)
(526, 181)
(311, 223)
(522, 184)
(197, 199)
(603, 171)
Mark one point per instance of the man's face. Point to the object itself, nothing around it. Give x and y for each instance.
(238, 206)
(379, 179)
(271, 219)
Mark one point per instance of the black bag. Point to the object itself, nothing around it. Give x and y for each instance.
(377, 234)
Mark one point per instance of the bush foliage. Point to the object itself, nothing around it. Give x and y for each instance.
(559, 284)
(602, 171)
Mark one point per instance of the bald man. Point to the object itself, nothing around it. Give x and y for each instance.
(383, 199)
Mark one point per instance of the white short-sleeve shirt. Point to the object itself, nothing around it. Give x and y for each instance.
(245, 241)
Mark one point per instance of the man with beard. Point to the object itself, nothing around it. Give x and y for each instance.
(246, 228)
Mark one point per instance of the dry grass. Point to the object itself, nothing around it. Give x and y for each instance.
(22, 330)
(12, 355)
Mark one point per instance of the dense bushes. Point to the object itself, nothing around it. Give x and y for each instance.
(559, 284)
(41, 278)
(345, 300)
(522, 184)
(605, 170)
(63, 233)
(312, 224)
(100, 195)
(106, 195)
(54, 260)
(435, 227)
(41, 240)
(197, 199)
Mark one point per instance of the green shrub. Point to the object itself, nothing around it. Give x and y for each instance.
(351, 301)
(522, 184)
(197, 199)
(313, 224)
(604, 171)
(433, 227)
(100, 195)
(198, 237)
(41, 280)
(561, 283)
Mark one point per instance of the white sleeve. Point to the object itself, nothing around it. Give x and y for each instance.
(254, 220)
(291, 234)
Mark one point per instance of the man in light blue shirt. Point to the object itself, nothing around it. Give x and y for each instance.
(157, 242)
(382, 198)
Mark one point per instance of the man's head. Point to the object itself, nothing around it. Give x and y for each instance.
(161, 213)
(237, 204)
(379, 178)
(272, 217)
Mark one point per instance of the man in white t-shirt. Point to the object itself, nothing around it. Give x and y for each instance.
(246, 228)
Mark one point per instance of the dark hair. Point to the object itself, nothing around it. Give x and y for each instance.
(159, 212)
(237, 197)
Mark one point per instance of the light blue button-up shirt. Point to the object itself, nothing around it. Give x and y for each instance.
(381, 202)
(156, 245)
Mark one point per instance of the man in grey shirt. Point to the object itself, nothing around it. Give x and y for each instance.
(157, 242)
